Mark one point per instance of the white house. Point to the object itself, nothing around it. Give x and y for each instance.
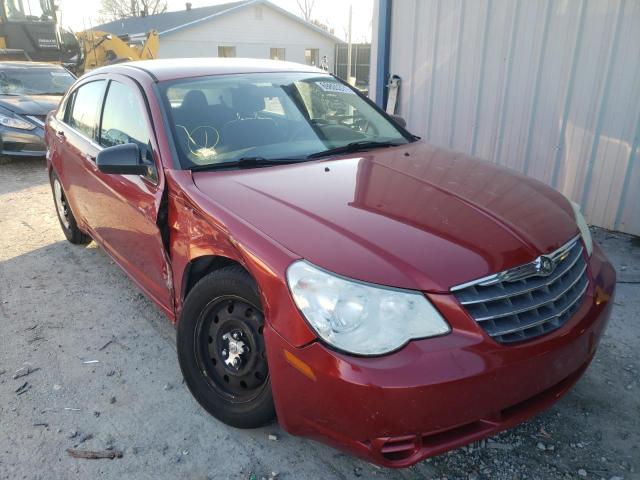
(250, 28)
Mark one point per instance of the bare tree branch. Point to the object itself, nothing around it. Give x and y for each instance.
(306, 8)
(111, 10)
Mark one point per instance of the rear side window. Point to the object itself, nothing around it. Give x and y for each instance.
(123, 119)
(86, 107)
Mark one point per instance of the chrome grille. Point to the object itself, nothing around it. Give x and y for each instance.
(529, 300)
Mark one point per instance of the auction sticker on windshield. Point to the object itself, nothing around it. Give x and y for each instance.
(334, 87)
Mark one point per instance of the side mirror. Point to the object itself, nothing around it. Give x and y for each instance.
(399, 120)
(121, 159)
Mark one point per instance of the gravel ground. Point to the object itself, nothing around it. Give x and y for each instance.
(60, 305)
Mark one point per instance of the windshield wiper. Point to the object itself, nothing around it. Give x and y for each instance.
(354, 147)
(246, 162)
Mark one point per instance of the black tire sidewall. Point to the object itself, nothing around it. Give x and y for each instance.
(224, 282)
(73, 233)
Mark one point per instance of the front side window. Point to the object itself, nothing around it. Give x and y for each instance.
(277, 54)
(86, 107)
(30, 80)
(28, 10)
(227, 118)
(226, 51)
(123, 119)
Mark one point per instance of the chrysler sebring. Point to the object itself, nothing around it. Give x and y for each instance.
(323, 265)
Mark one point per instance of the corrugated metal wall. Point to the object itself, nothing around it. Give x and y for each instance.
(550, 88)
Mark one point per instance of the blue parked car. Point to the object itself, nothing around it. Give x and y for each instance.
(28, 91)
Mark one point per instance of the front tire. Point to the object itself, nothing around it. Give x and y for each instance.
(221, 349)
(65, 215)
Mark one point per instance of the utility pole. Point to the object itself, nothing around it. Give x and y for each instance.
(349, 45)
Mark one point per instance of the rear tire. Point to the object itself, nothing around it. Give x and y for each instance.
(65, 215)
(221, 349)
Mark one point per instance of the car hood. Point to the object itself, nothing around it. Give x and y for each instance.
(30, 104)
(414, 216)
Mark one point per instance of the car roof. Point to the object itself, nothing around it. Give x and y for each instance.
(171, 69)
(27, 64)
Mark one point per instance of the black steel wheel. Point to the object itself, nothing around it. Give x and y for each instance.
(231, 348)
(221, 348)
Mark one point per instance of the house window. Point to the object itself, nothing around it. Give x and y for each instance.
(312, 56)
(277, 53)
(226, 52)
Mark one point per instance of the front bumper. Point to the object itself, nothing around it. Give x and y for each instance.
(434, 394)
(22, 143)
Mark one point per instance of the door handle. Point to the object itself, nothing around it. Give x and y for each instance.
(60, 134)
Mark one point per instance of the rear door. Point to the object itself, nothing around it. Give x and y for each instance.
(76, 146)
(123, 210)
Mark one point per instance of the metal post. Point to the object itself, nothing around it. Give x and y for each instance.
(384, 43)
(349, 46)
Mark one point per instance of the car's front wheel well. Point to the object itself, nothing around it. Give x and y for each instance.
(200, 267)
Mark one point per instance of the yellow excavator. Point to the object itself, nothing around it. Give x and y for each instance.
(102, 48)
(29, 30)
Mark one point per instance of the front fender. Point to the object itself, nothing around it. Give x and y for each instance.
(198, 228)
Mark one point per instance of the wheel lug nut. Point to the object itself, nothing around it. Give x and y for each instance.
(224, 353)
(235, 335)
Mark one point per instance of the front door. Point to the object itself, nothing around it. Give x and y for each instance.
(123, 210)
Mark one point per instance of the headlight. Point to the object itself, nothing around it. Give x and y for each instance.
(584, 228)
(16, 123)
(361, 318)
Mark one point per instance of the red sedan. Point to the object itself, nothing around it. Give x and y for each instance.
(322, 264)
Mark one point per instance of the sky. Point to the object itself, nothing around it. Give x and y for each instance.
(81, 14)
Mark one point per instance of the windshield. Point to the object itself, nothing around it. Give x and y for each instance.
(35, 81)
(225, 118)
(31, 10)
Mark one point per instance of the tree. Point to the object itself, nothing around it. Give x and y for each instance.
(111, 10)
(306, 8)
(322, 25)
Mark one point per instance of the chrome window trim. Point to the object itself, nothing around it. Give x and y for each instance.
(83, 136)
(522, 271)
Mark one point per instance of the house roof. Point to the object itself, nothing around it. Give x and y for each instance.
(169, 22)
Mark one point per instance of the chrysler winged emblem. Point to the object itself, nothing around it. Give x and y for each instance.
(545, 265)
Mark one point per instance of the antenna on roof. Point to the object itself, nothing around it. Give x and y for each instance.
(93, 44)
(188, 6)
